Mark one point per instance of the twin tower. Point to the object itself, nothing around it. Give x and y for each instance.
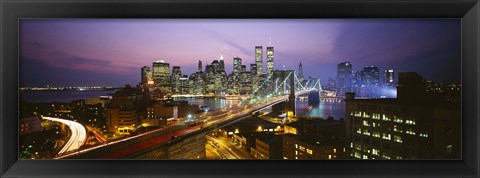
(259, 60)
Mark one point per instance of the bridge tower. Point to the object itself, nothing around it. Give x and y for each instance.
(281, 80)
(290, 105)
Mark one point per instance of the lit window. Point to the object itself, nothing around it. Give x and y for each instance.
(410, 131)
(365, 123)
(386, 136)
(358, 155)
(376, 134)
(410, 121)
(302, 148)
(397, 119)
(449, 149)
(359, 130)
(358, 147)
(358, 114)
(375, 151)
(385, 118)
(366, 132)
(423, 134)
(329, 156)
(397, 139)
(309, 151)
(334, 150)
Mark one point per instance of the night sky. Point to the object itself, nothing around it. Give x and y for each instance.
(110, 52)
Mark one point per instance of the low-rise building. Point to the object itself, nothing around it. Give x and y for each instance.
(267, 146)
(310, 147)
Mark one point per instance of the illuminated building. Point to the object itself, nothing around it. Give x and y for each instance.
(253, 69)
(246, 82)
(124, 111)
(222, 63)
(176, 74)
(146, 75)
(388, 77)
(122, 121)
(314, 139)
(300, 72)
(199, 66)
(259, 60)
(344, 78)
(412, 126)
(254, 78)
(237, 65)
(209, 79)
(267, 146)
(184, 85)
(161, 76)
(370, 75)
(216, 66)
(309, 147)
(270, 61)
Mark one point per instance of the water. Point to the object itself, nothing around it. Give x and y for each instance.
(64, 96)
(336, 109)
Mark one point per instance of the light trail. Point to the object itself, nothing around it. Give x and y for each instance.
(215, 119)
(77, 138)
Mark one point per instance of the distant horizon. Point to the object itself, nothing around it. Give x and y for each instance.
(110, 52)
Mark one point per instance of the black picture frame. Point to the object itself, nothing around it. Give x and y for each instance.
(11, 11)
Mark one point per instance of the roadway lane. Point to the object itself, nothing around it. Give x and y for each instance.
(77, 138)
(229, 148)
(124, 152)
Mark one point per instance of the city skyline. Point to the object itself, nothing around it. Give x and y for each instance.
(105, 52)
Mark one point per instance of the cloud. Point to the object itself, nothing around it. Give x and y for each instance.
(47, 54)
(381, 42)
(231, 43)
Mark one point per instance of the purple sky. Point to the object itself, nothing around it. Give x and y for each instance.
(110, 52)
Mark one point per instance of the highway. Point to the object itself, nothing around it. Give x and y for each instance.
(77, 138)
(132, 145)
(225, 149)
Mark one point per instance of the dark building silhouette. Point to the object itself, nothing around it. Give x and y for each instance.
(419, 124)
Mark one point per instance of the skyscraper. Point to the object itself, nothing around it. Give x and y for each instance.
(259, 59)
(371, 75)
(237, 65)
(269, 61)
(344, 78)
(388, 77)
(176, 75)
(145, 74)
(222, 63)
(253, 69)
(199, 65)
(161, 76)
(300, 72)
